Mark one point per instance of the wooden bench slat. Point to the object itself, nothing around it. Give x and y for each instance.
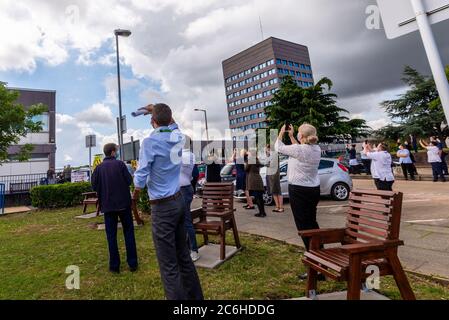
(312, 256)
(383, 226)
(377, 200)
(389, 194)
(374, 232)
(358, 236)
(377, 216)
(370, 207)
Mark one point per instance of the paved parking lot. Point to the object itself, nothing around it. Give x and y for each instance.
(425, 224)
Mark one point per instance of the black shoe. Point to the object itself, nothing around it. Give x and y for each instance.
(260, 215)
(134, 269)
(304, 276)
(249, 208)
(114, 271)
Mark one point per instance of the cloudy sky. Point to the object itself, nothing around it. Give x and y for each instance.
(175, 55)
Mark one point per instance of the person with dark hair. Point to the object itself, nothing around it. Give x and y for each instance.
(366, 162)
(382, 172)
(254, 184)
(159, 169)
(213, 169)
(111, 180)
(353, 163)
(434, 158)
(406, 162)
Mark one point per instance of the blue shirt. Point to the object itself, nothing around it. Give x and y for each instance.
(160, 162)
(406, 160)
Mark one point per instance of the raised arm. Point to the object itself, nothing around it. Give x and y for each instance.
(291, 134)
(423, 144)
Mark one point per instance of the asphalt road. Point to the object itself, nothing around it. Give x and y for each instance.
(424, 228)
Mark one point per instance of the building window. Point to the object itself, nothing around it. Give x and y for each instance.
(278, 61)
(43, 119)
(284, 62)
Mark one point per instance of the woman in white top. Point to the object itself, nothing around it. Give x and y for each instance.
(304, 182)
(434, 158)
(381, 166)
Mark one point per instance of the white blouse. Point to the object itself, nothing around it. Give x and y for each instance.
(381, 165)
(303, 163)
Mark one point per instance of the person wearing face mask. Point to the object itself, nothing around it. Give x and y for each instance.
(159, 169)
(382, 172)
(112, 180)
(405, 159)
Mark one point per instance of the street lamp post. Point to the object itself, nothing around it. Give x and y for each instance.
(120, 33)
(207, 127)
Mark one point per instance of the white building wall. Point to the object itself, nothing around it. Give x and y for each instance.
(35, 138)
(20, 168)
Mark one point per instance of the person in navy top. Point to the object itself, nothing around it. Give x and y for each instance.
(112, 180)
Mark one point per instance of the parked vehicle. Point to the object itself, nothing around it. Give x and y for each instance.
(334, 177)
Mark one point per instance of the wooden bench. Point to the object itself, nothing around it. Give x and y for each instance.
(91, 198)
(217, 215)
(371, 238)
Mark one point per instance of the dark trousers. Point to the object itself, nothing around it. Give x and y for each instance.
(304, 202)
(408, 169)
(179, 275)
(367, 165)
(384, 185)
(437, 170)
(444, 167)
(258, 200)
(187, 194)
(111, 222)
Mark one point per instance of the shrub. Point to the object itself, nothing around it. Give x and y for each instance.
(59, 195)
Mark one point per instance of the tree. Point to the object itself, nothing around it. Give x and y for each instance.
(418, 111)
(16, 122)
(315, 105)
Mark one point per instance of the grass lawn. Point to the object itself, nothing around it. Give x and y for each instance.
(36, 248)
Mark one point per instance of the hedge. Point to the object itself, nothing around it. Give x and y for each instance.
(59, 195)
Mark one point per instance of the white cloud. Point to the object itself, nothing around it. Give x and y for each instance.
(96, 114)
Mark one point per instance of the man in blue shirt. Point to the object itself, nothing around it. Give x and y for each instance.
(159, 169)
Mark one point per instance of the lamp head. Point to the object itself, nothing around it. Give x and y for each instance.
(122, 33)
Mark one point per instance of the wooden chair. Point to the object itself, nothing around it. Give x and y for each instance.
(91, 198)
(217, 215)
(371, 238)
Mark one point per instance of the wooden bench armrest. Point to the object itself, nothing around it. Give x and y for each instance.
(90, 194)
(321, 233)
(197, 213)
(324, 236)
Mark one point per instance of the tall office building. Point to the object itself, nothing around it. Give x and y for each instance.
(254, 75)
(43, 154)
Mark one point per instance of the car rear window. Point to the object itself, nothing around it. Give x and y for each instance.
(326, 164)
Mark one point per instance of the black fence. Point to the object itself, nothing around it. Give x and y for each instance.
(22, 184)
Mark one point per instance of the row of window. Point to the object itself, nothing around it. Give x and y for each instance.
(253, 107)
(251, 79)
(293, 64)
(253, 88)
(259, 125)
(249, 71)
(248, 118)
(295, 73)
(252, 98)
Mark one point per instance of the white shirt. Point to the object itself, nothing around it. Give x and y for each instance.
(303, 163)
(381, 165)
(433, 154)
(188, 163)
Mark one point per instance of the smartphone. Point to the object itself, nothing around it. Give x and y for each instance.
(287, 125)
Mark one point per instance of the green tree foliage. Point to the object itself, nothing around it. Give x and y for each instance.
(16, 122)
(418, 111)
(314, 105)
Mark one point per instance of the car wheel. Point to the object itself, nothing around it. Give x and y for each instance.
(340, 192)
(268, 199)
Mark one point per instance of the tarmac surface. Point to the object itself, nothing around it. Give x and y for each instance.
(424, 228)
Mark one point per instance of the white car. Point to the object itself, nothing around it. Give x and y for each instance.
(334, 177)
